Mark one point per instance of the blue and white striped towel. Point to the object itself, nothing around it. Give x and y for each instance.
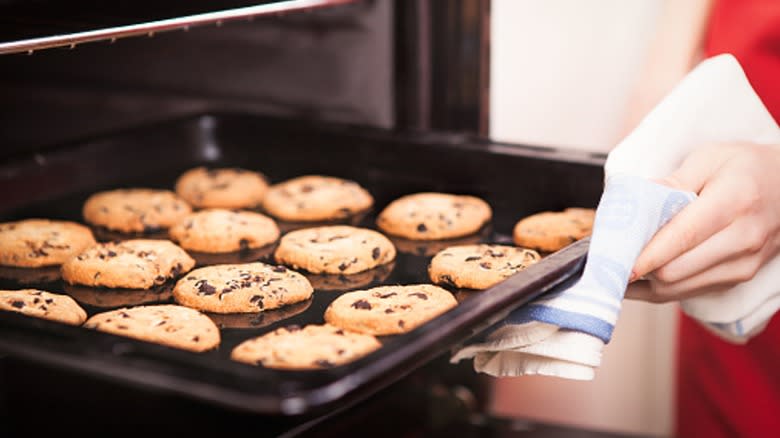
(583, 316)
(563, 333)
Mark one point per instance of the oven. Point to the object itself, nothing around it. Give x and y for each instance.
(392, 94)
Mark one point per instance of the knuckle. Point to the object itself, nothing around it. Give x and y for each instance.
(748, 270)
(755, 239)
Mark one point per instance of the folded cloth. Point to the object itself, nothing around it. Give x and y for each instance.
(563, 333)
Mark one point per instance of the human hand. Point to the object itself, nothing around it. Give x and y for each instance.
(723, 237)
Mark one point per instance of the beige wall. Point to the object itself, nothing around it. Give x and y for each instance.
(560, 74)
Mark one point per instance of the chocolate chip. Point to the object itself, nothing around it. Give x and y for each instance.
(160, 323)
(159, 279)
(96, 276)
(18, 304)
(339, 332)
(279, 269)
(345, 211)
(472, 258)
(422, 228)
(196, 339)
(124, 315)
(362, 304)
(111, 253)
(204, 288)
(257, 300)
(485, 265)
(419, 295)
(122, 327)
(387, 295)
(375, 253)
(48, 300)
(401, 323)
(36, 301)
(306, 188)
(389, 311)
(340, 351)
(343, 266)
(324, 363)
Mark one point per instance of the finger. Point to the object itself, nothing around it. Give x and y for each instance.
(722, 276)
(733, 241)
(693, 173)
(698, 221)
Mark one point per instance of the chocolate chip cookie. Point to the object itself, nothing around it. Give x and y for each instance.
(222, 187)
(220, 231)
(132, 264)
(45, 305)
(311, 347)
(33, 243)
(338, 249)
(244, 288)
(479, 266)
(135, 210)
(316, 198)
(433, 216)
(166, 324)
(550, 231)
(388, 310)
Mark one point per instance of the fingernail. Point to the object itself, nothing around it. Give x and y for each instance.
(632, 277)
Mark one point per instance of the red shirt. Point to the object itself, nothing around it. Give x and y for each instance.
(725, 389)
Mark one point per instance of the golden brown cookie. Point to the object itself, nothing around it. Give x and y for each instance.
(434, 216)
(245, 288)
(222, 187)
(550, 231)
(135, 210)
(308, 348)
(479, 266)
(166, 324)
(316, 198)
(45, 305)
(338, 249)
(132, 264)
(220, 231)
(33, 243)
(388, 310)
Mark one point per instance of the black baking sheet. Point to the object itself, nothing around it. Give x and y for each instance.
(516, 181)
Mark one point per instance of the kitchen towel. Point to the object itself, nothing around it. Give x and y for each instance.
(563, 333)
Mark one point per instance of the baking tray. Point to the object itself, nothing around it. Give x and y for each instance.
(515, 180)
